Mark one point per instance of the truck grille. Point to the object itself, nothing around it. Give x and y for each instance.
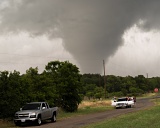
(25, 115)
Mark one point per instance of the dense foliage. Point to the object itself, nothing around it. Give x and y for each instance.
(93, 85)
(61, 84)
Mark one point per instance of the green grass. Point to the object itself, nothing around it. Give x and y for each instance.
(83, 111)
(143, 119)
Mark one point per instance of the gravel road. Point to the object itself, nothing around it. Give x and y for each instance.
(77, 122)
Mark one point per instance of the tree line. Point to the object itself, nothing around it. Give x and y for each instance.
(93, 85)
(62, 85)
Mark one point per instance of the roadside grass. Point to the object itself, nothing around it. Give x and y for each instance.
(148, 95)
(6, 124)
(148, 118)
(87, 107)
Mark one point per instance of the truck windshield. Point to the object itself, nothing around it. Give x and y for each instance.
(122, 99)
(34, 106)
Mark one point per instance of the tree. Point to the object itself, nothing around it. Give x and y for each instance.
(66, 80)
(11, 94)
(99, 91)
(113, 83)
(32, 83)
(90, 94)
(141, 83)
(127, 83)
(89, 90)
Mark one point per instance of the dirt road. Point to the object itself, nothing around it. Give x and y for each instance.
(77, 122)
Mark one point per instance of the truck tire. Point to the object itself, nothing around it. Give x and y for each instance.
(39, 121)
(53, 119)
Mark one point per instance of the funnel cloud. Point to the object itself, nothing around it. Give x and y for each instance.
(91, 30)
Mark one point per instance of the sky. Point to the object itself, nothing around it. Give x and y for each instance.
(123, 33)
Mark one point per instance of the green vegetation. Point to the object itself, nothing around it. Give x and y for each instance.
(62, 85)
(148, 118)
(59, 85)
(82, 111)
(117, 85)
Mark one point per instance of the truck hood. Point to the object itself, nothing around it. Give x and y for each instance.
(27, 111)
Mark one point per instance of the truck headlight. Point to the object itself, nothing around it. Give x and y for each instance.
(33, 115)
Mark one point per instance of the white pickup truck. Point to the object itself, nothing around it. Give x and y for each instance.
(35, 112)
(124, 102)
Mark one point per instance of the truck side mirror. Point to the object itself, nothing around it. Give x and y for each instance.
(43, 108)
(20, 109)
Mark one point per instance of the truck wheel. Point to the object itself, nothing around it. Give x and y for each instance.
(53, 119)
(39, 121)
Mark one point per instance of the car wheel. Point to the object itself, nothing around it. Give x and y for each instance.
(39, 121)
(53, 119)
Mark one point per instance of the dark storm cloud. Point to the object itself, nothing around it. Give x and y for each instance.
(91, 29)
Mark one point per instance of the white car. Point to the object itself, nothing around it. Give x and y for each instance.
(124, 102)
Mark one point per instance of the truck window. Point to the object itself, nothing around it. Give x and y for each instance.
(47, 105)
(122, 99)
(43, 105)
(32, 106)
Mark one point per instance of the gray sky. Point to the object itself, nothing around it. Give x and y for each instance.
(124, 33)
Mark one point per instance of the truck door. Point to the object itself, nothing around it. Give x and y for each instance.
(44, 111)
(49, 112)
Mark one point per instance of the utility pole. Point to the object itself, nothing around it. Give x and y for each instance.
(104, 80)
